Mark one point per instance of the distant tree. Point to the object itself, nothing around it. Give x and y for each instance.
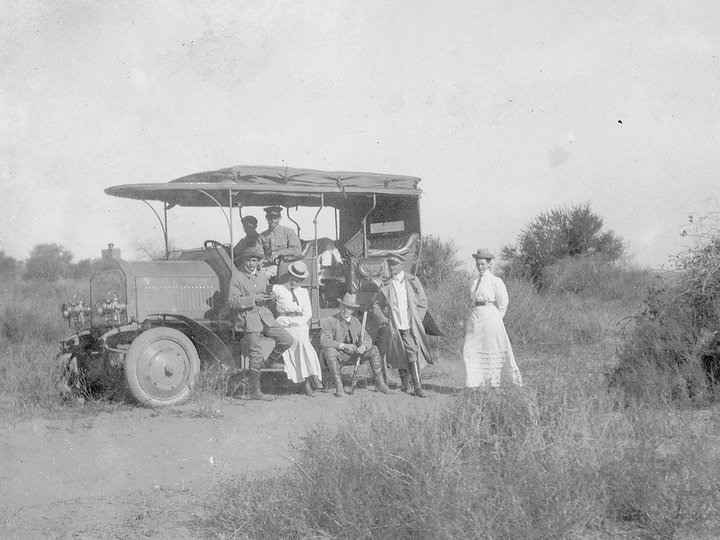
(47, 262)
(8, 266)
(560, 233)
(439, 260)
(83, 269)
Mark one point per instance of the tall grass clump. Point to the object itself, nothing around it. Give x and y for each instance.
(596, 276)
(671, 349)
(30, 328)
(559, 464)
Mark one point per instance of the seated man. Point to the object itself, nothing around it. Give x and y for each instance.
(278, 240)
(249, 293)
(342, 340)
(251, 239)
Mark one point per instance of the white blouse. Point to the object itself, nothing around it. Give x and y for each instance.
(491, 290)
(290, 312)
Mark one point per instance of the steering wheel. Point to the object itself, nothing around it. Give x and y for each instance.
(213, 244)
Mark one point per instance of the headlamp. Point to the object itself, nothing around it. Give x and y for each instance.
(111, 307)
(75, 312)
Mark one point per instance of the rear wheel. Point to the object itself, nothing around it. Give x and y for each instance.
(160, 367)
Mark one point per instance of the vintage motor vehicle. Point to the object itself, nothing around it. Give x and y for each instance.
(157, 322)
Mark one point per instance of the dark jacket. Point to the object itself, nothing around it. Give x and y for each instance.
(334, 329)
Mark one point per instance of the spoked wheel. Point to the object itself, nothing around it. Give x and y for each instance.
(160, 367)
(69, 380)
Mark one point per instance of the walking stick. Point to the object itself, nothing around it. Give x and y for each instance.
(359, 356)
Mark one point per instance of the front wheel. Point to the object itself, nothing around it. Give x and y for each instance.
(160, 367)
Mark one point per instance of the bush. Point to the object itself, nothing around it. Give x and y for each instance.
(558, 234)
(662, 352)
(439, 261)
(47, 262)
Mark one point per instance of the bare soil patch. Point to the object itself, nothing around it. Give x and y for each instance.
(134, 472)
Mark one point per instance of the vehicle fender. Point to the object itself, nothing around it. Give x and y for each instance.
(207, 339)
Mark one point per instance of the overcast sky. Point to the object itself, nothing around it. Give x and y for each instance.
(504, 109)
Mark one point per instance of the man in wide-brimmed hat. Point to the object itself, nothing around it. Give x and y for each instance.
(248, 296)
(402, 306)
(343, 339)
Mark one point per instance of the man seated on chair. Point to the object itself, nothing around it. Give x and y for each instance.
(343, 339)
(277, 240)
(248, 296)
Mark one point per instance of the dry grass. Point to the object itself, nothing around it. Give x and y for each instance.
(565, 457)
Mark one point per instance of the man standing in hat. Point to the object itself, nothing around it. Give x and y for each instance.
(251, 239)
(343, 339)
(403, 305)
(248, 296)
(278, 240)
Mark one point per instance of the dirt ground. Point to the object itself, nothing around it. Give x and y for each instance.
(129, 472)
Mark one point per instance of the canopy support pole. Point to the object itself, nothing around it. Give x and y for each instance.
(163, 225)
(364, 225)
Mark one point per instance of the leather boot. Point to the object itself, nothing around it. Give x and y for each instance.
(255, 392)
(307, 387)
(404, 380)
(274, 358)
(416, 379)
(380, 385)
(316, 383)
(334, 367)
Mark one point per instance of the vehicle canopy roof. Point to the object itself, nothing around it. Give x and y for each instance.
(262, 185)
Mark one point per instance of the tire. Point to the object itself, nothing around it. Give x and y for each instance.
(160, 367)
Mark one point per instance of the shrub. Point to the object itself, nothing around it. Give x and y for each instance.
(47, 262)
(663, 347)
(557, 234)
(8, 267)
(439, 261)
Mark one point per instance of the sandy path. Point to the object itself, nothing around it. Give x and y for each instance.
(86, 476)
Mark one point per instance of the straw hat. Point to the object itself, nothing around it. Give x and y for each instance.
(483, 253)
(298, 269)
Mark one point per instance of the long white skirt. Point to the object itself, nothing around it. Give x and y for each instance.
(487, 352)
(300, 359)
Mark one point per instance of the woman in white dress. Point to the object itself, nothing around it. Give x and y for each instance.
(487, 352)
(294, 312)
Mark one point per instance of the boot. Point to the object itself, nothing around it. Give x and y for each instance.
(308, 388)
(336, 376)
(255, 392)
(416, 379)
(316, 383)
(380, 385)
(404, 380)
(274, 358)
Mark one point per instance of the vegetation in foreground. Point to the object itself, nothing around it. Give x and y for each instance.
(611, 437)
